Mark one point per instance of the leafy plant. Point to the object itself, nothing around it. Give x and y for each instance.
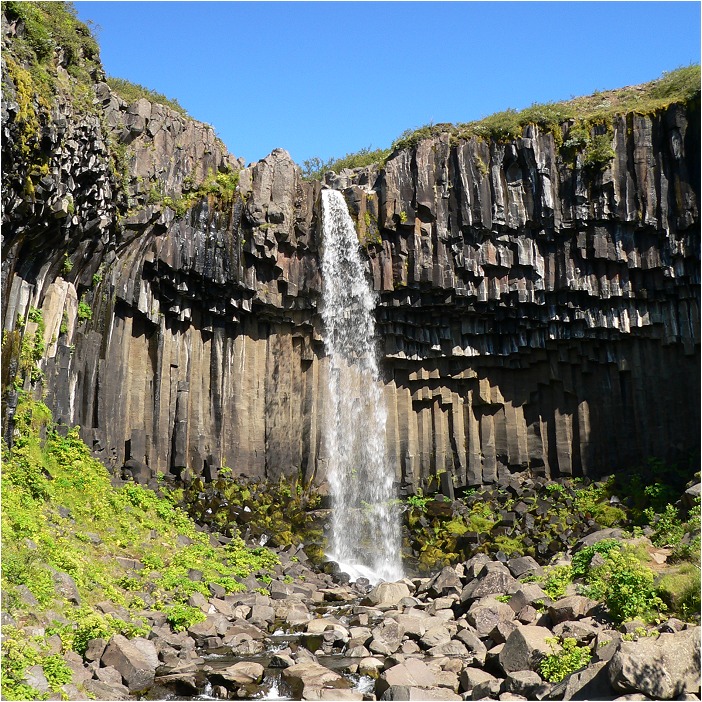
(567, 657)
(418, 501)
(181, 616)
(85, 313)
(626, 586)
(581, 560)
(557, 580)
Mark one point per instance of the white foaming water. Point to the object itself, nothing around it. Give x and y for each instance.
(365, 523)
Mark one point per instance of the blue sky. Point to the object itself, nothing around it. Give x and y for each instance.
(329, 78)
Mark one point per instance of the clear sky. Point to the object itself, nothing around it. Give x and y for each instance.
(329, 78)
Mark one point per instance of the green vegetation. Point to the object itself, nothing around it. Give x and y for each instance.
(277, 511)
(567, 657)
(314, 168)
(589, 118)
(626, 586)
(418, 501)
(47, 26)
(557, 580)
(84, 312)
(131, 92)
(62, 518)
(219, 188)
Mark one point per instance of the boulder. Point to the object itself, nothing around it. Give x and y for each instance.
(445, 582)
(303, 678)
(524, 565)
(471, 677)
(136, 661)
(489, 582)
(528, 594)
(590, 683)
(570, 608)
(411, 674)
(474, 645)
(525, 647)
(418, 694)
(386, 594)
(435, 636)
(524, 682)
(486, 613)
(661, 668)
(242, 673)
(386, 638)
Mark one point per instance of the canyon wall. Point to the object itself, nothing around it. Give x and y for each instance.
(533, 313)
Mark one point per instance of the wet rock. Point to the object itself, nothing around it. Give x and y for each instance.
(242, 673)
(307, 677)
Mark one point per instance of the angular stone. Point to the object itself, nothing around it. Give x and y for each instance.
(661, 668)
(570, 608)
(525, 648)
(134, 661)
(489, 583)
(411, 674)
(242, 673)
(524, 565)
(486, 613)
(386, 594)
(303, 678)
(470, 677)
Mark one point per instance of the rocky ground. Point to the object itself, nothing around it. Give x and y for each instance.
(476, 630)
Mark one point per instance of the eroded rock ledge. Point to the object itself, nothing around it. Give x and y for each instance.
(533, 313)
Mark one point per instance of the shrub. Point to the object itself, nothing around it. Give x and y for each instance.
(181, 616)
(557, 580)
(84, 311)
(581, 560)
(626, 586)
(566, 658)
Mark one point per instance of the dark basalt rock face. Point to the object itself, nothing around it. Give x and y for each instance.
(533, 313)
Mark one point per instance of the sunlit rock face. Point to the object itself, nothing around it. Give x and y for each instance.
(532, 313)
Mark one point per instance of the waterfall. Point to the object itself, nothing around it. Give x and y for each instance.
(366, 537)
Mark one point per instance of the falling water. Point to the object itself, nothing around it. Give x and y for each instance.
(365, 523)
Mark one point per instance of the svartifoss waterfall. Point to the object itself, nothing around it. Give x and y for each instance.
(365, 524)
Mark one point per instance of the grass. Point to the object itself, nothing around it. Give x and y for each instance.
(131, 92)
(586, 113)
(48, 25)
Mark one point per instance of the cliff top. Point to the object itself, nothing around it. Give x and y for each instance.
(681, 85)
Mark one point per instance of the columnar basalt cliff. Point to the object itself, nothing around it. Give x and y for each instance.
(534, 312)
